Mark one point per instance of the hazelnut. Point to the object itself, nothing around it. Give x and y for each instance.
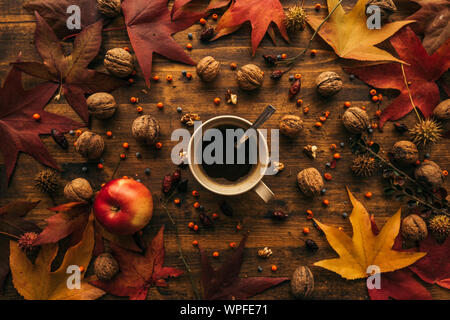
(146, 129)
(101, 105)
(109, 8)
(328, 83)
(208, 68)
(355, 120)
(119, 62)
(90, 145)
(106, 267)
(302, 282)
(78, 190)
(442, 111)
(250, 77)
(414, 228)
(291, 125)
(405, 152)
(429, 174)
(310, 182)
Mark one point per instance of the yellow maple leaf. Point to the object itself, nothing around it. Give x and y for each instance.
(37, 281)
(365, 249)
(349, 36)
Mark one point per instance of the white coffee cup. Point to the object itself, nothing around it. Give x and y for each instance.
(251, 181)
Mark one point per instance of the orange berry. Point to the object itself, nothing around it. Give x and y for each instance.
(202, 21)
(133, 100)
(375, 98)
(82, 269)
(158, 145)
(191, 225)
(131, 81)
(169, 78)
(327, 176)
(327, 114)
(309, 214)
(126, 49)
(233, 245)
(215, 215)
(238, 227)
(317, 6)
(445, 173)
(305, 110)
(274, 268)
(322, 119)
(373, 92)
(100, 166)
(326, 202)
(36, 117)
(284, 56)
(155, 78)
(340, 229)
(196, 205)
(123, 156)
(176, 201)
(125, 145)
(370, 143)
(102, 185)
(195, 193)
(160, 105)
(306, 230)
(196, 228)
(195, 243)
(215, 16)
(189, 46)
(336, 156)
(109, 134)
(368, 195)
(318, 124)
(363, 107)
(313, 52)
(299, 102)
(189, 75)
(333, 146)
(216, 254)
(139, 109)
(378, 113)
(417, 162)
(217, 100)
(78, 132)
(233, 65)
(297, 76)
(347, 104)
(75, 144)
(133, 73)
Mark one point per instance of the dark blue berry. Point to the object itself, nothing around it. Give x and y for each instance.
(183, 73)
(427, 156)
(279, 57)
(342, 144)
(139, 180)
(344, 215)
(147, 171)
(260, 269)
(71, 132)
(291, 78)
(179, 109)
(323, 191)
(190, 36)
(138, 155)
(370, 130)
(84, 169)
(352, 77)
(328, 164)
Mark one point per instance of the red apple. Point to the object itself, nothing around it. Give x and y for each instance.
(123, 206)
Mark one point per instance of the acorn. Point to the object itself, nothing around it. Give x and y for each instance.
(47, 181)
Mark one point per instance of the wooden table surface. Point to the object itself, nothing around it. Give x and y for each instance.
(16, 35)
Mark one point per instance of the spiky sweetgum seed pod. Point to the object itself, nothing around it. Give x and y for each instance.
(296, 18)
(47, 181)
(26, 241)
(425, 132)
(439, 226)
(363, 166)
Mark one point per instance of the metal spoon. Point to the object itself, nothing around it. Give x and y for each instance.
(263, 117)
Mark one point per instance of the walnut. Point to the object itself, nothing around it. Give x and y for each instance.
(146, 129)
(429, 174)
(265, 253)
(105, 267)
(387, 7)
(119, 62)
(230, 97)
(328, 83)
(310, 182)
(302, 282)
(78, 190)
(291, 125)
(250, 77)
(442, 111)
(310, 151)
(208, 68)
(355, 120)
(414, 228)
(109, 8)
(405, 152)
(101, 105)
(90, 145)
(189, 118)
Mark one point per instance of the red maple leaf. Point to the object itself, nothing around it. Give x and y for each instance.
(224, 283)
(260, 14)
(150, 30)
(421, 72)
(139, 272)
(435, 266)
(71, 72)
(19, 132)
(399, 284)
(55, 13)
